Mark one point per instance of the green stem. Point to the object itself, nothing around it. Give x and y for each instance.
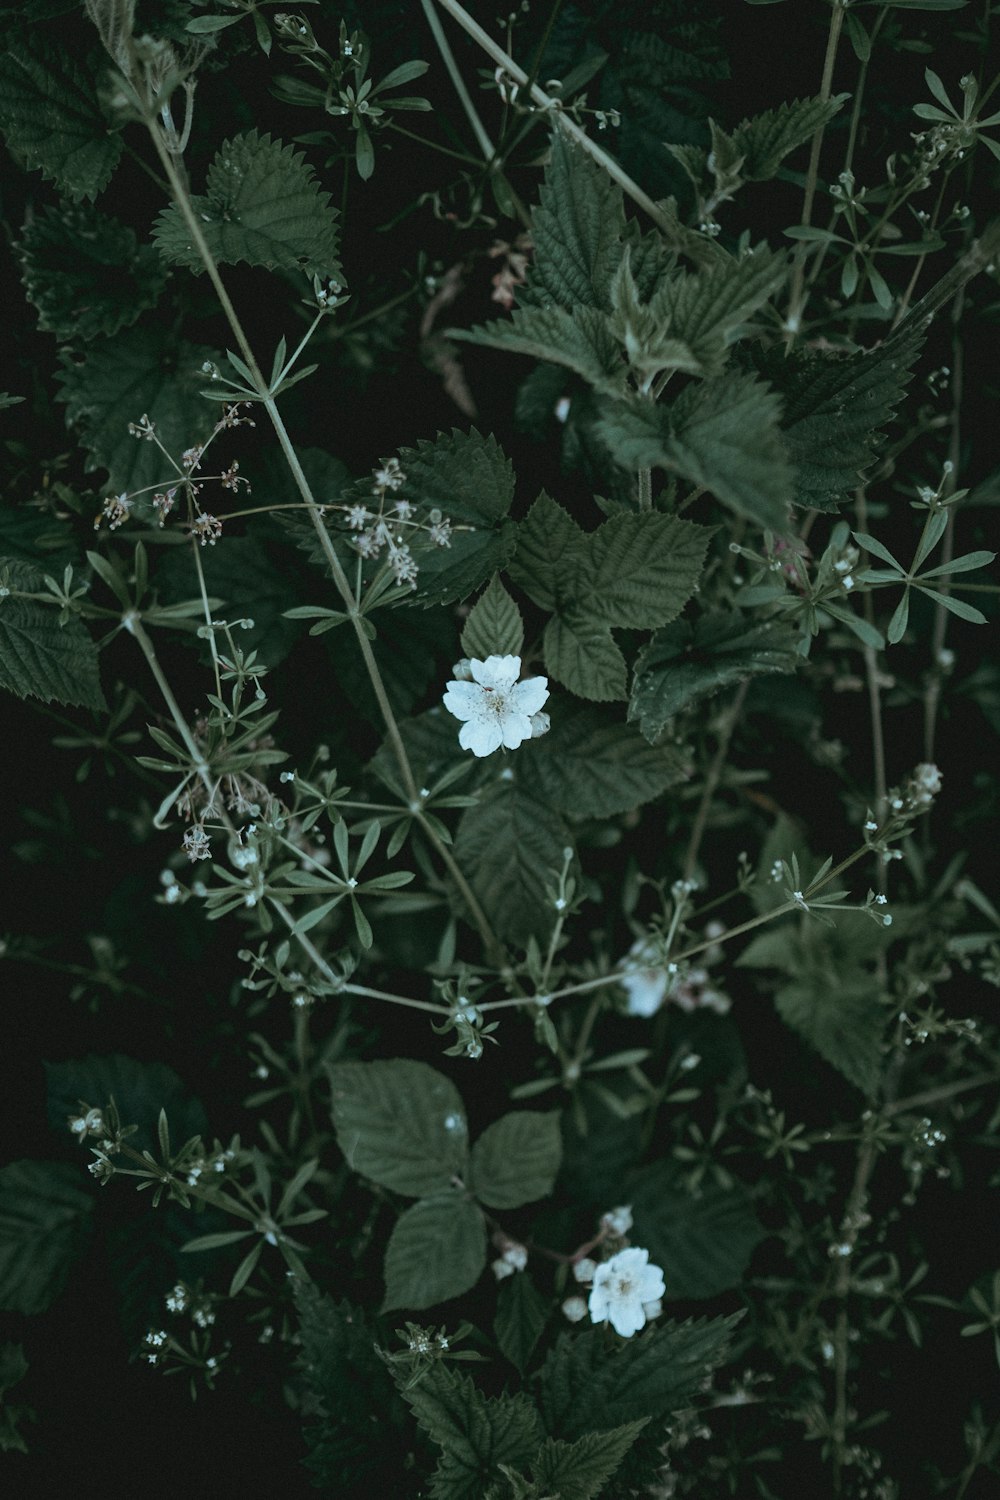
(645, 489)
(795, 302)
(448, 58)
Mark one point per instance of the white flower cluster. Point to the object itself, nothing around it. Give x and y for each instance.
(648, 988)
(495, 708)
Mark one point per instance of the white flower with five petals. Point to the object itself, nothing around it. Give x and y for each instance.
(625, 1291)
(495, 708)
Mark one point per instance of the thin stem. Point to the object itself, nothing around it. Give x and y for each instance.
(932, 698)
(798, 275)
(645, 489)
(448, 58)
(712, 779)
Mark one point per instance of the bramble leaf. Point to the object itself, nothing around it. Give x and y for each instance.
(592, 765)
(516, 1159)
(520, 1319)
(494, 626)
(510, 846)
(704, 1240)
(400, 1123)
(436, 1251)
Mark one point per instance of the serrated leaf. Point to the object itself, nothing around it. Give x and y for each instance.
(841, 1016)
(765, 140)
(39, 658)
(400, 1123)
(581, 654)
(587, 1383)
(580, 340)
(139, 371)
(703, 1240)
(703, 309)
(516, 1159)
(521, 1315)
(45, 1209)
(494, 626)
(592, 765)
(86, 273)
(545, 539)
(436, 1252)
(248, 578)
(580, 1470)
(576, 229)
(50, 116)
(476, 1434)
(509, 846)
(690, 661)
(262, 205)
(639, 570)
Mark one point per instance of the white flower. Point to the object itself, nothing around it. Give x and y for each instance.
(646, 989)
(622, 1285)
(574, 1308)
(618, 1220)
(496, 708)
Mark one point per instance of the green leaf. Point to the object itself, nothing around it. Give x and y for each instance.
(39, 658)
(351, 1397)
(580, 340)
(476, 1434)
(510, 846)
(841, 1016)
(588, 1384)
(50, 116)
(494, 626)
(86, 273)
(580, 1470)
(577, 230)
(765, 140)
(140, 371)
(592, 765)
(246, 575)
(516, 1159)
(521, 1316)
(704, 309)
(703, 1240)
(581, 654)
(45, 1209)
(262, 206)
(140, 1090)
(400, 1123)
(436, 1251)
(13, 1368)
(688, 661)
(639, 570)
(546, 538)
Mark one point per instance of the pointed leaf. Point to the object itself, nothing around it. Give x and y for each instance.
(401, 1123)
(436, 1252)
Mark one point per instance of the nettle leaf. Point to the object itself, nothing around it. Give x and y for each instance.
(355, 1425)
(39, 658)
(86, 273)
(579, 341)
(704, 309)
(400, 1123)
(139, 371)
(689, 661)
(511, 846)
(436, 1251)
(470, 479)
(522, 1313)
(580, 1470)
(516, 1159)
(494, 626)
(703, 1240)
(140, 1090)
(592, 765)
(263, 206)
(588, 1384)
(577, 229)
(476, 1434)
(50, 116)
(765, 140)
(45, 1209)
(842, 1017)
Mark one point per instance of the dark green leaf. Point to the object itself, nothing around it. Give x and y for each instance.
(140, 1090)
(580, 1470)
(703, 309)
(494, 626)
(436, 1251)
(592, 765)
(475, 1434)
(582, 655)
(576, 228)
(50, 116)
(765, 140)
(516, 1159)
(401, 1123)
(579, 340)
(45, 1209)
(510, 847)
(521, 1315)
(545, 539)
(39, 658)
(703, 1240)
(86, 273)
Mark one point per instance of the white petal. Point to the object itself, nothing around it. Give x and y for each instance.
(651, 1284)
(529, 695)
(516, 729)
(598, 1304)
(498, 672)
(463, 699)
(479, 736)
(627, 1317)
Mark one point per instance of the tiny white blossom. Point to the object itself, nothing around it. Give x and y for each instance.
(646, 989)
(501, 1268)
(618, 1220)
(623, 1287)
(496, 708)
(574, 1308)
(584, 1270)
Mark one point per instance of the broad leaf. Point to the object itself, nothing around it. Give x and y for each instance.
(262, 205)
(86, 273)
(580, 1470)
(139, 371)
(576, 229)
(494, 626)
(247, 576)
(546, 538)
(592, 765)
(842, 1017)
(579, 340)
(476, 1434)
(581, 654)
(690, 661)
(704, 309)
(39, 658)
(45, 1209)
(703, 1240)
(510, 848)
(50, 116)
(640, 570)
(436, 1251)
(521, 1316)
(765, 140)
(401, 1123)
(516, 1159)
